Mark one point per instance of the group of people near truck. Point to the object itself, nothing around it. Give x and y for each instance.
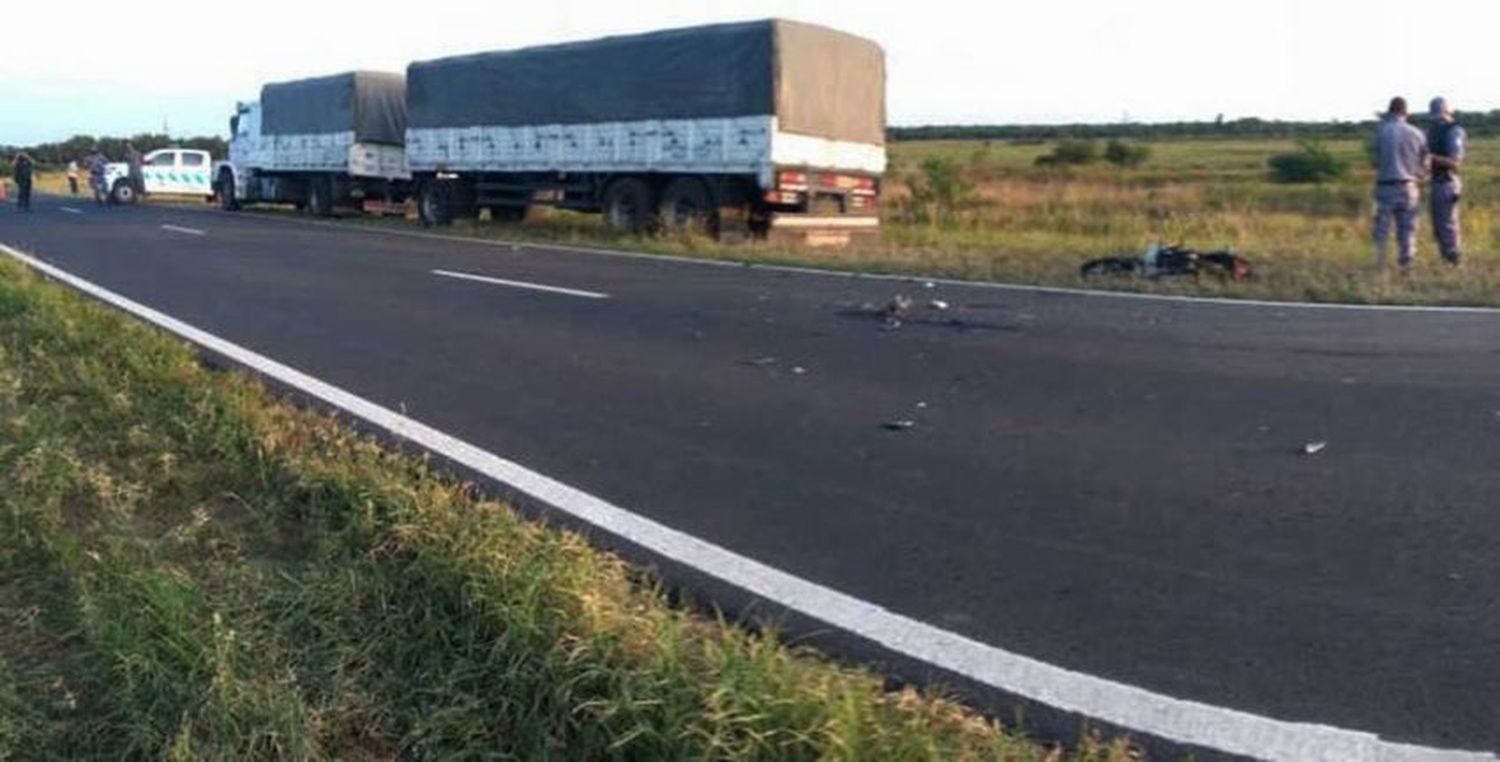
(23, 172)
(1404, 157)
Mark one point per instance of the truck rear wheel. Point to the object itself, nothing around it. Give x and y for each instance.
(320, 197)
(688, 207)
(123, 193)
(629, 206)
(227, 201)
(435, 203)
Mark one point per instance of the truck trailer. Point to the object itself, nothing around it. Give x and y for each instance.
(318, 143)
(733, 129)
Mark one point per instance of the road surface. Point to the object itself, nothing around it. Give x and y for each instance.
(1115, 486)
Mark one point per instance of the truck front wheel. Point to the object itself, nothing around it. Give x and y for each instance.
(227, 201)
(435, 203)
(629, 206)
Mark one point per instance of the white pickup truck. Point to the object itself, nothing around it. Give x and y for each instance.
(174, 171)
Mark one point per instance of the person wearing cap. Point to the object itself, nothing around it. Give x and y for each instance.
(1446, 142)
(1401, 159)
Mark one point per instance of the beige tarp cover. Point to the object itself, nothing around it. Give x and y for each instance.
(829, 84)
(819, 82)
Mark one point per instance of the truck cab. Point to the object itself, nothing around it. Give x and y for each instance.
(171, 171)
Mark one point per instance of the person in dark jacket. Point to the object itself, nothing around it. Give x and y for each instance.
(133, 163)
(21, 170)
(97, 166)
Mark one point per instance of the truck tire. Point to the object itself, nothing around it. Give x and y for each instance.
(687, 207)
(225, 186)
(320, 197)
(435, 203)
(630, 206)
(123, 193)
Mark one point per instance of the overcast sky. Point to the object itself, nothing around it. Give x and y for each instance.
(123, 68)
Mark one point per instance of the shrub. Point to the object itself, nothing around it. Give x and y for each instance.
(1311, 163)
(940, 189)
(1068, 153)
(1122, 154)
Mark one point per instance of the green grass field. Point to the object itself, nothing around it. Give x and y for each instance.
(1026, 224)
(194, 571)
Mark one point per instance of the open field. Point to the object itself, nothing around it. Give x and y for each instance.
(1013, 221)
(195, 571)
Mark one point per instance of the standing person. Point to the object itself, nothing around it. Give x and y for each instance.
(97, 166)
(20, 169)
(1446, 141)
(133, 162)
(73, 177)
(1400, 161)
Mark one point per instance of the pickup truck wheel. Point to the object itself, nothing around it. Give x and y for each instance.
(435, 203)
(227, 201)
(688, 207)
(629, 206)
(123, 193)
(320, 197)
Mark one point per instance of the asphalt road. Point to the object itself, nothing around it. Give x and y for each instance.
(1116, 486)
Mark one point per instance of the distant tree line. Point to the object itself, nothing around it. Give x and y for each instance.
(56, 155)
(1477, 125)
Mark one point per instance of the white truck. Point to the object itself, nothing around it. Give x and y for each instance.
(766, 127)
(318, 143)
(170, 171)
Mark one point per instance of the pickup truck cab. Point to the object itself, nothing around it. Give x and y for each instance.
(173, 171)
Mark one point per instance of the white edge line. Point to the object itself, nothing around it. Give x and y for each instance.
(521, 284)
(1188, 722)
(180, 229)
(901, 277)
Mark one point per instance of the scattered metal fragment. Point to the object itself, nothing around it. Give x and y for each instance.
(1313, 448)
(938, 304)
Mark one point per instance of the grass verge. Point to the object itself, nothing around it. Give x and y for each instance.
(194, 570)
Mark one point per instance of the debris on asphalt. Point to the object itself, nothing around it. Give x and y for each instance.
(799, 370)
(921, 405)
(1313, 448)
(899, 425)
(760, 362)
(898, 307)
(938, 304)
(929, 284)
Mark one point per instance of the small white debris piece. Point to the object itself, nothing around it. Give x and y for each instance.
(938, 304)
(929, 284)
(1313, 448)
(901, 425)
(921, 405)
(799, 370)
